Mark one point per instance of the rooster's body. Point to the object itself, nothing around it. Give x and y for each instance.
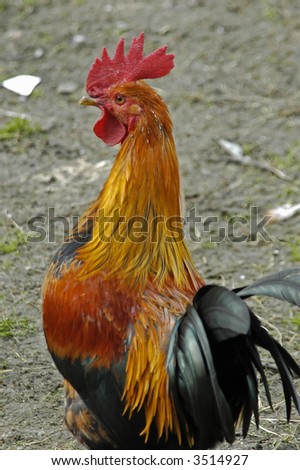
(139, 371)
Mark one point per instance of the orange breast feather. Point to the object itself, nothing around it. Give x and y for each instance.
(87, 317)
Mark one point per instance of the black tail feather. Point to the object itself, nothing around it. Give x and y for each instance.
(285, 363)
(200, 403)
(251, 403)
(213, 350)
(282, 286)
(255, 358)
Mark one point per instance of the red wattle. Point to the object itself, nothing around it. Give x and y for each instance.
(110, 129)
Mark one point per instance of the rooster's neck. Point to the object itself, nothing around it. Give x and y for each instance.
(138, 234)
(145, 180)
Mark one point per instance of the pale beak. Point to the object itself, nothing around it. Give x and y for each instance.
(88, 101)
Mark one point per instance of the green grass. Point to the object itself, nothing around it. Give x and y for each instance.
(4, 4)
(4, 368)
(249, 148)
(3, 365)
(45, 37)
(295, 251)
(11, 327)
(18, 127)
(26, 7)
(37, 93)
(289, 193)
(30, 3)
(6, 264)
(270, 10)
(290, 160)
(296, 320)
(12, 243)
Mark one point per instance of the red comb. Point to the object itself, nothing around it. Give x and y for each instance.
(122, 68)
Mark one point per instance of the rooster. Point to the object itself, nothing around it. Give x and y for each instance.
(152, 358)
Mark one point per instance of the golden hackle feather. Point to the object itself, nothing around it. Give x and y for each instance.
(146, 376)
(147, 383)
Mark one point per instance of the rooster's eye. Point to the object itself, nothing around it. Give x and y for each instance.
(120, 99)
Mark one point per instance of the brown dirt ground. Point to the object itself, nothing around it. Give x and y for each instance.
(237, 77)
